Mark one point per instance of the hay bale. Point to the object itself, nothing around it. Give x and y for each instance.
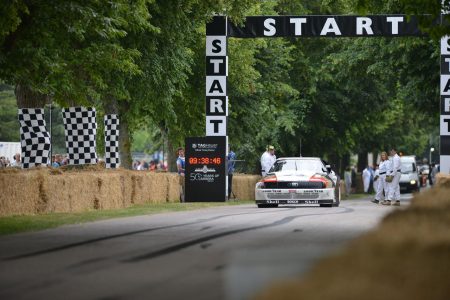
(438, 196)
(93, 190)
(443, 180)
(78, 189)
(159, 185)
(83, 189)
(21, 192)
(405, 258)
(126, 187)
(152, 187)
(238, 186)
(110, 191)
(244, 186)
(138, 193)
(173, 189)
(58, 193)
(148, 188)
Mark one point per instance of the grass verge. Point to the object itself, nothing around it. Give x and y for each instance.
(16, 224)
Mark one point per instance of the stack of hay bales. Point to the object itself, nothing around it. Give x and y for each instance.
(45, 190)
(20, 192)
(57, 190)
(244, 186)
(443, 180)
(407, 257)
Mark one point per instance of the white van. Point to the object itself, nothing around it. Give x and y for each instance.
(409, 181)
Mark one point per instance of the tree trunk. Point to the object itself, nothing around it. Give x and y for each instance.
(362, 161)
(111, 126)
(33, 131)
(126, 160)
(171, 156)
(345, 163)
(110, 105)
(375, 156)
(27, 98)
(334, 162)
(125, 144)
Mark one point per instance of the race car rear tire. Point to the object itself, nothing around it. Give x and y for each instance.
(265, 205)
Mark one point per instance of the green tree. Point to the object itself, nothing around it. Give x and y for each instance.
(169, 90)
(9, 129)
(428, 12)
(64, 49)
(68, 51)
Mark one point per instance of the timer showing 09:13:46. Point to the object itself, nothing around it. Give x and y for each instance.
(205, 160)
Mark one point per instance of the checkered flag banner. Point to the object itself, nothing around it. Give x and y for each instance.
(34, 138)
(80, 128)
(112, 141)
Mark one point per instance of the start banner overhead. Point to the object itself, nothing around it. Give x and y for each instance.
(220, 29)
(326, 26)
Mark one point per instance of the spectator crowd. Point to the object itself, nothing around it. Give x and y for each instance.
(57, 160)
(153, 165)
(14, 163)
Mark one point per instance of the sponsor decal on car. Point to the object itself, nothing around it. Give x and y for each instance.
(273, 191)
(311, 202)
(313, 191)
(283, 201)
(299, 191)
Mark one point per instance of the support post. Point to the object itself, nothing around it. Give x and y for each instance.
(216, 62)
(445, 107)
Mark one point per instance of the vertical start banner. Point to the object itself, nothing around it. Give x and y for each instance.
(205, 169)
(216, 77)
(445, 106)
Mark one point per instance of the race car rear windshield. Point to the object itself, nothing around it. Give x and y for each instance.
(297, 165)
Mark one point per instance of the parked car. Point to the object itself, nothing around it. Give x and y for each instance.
(409, 180)
(299, 180)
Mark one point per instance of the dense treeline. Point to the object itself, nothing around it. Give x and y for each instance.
(145, 60)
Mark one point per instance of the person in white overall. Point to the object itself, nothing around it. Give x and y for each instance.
(382, 187)
(376, 175)
(267, 160)
(366, 179)
(394, 185)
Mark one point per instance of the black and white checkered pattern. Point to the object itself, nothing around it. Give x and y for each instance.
(445, 107)
(80, 128)
(34, 138)
(216, 76)
(112, 141)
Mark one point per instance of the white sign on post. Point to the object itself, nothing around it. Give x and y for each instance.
(445, 106)
(216, 64)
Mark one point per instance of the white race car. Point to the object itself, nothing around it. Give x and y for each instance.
(299, 180)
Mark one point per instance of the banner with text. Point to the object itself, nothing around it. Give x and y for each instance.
(325, 26)
(445, 106)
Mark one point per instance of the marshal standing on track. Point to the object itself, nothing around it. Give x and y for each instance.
(381, 182)
(267, 160)
(231, 159)
(394, 180)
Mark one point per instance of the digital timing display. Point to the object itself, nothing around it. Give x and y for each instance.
(205, 176)
(205, 160)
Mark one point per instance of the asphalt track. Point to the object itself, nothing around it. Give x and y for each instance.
(215, 253)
